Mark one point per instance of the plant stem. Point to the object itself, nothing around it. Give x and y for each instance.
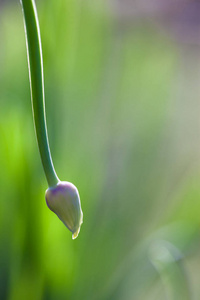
(35, 62)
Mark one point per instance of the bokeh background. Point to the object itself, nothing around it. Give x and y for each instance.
(122, 84)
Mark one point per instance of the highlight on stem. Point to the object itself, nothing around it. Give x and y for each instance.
(61, 197)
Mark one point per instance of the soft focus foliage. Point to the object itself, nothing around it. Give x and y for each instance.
(122, 103)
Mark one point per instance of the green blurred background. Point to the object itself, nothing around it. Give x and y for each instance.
(122, 101)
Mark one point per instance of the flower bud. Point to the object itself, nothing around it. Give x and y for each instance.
(63, 199)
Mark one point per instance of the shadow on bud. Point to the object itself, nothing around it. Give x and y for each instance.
(63, 199)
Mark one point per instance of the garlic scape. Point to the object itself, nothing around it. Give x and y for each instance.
(61, 197)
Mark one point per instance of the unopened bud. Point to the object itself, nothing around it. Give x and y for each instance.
(64, 201)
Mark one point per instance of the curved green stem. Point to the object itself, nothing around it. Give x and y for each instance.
(34, 52)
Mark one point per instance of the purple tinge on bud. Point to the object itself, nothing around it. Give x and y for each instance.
(64, 201)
